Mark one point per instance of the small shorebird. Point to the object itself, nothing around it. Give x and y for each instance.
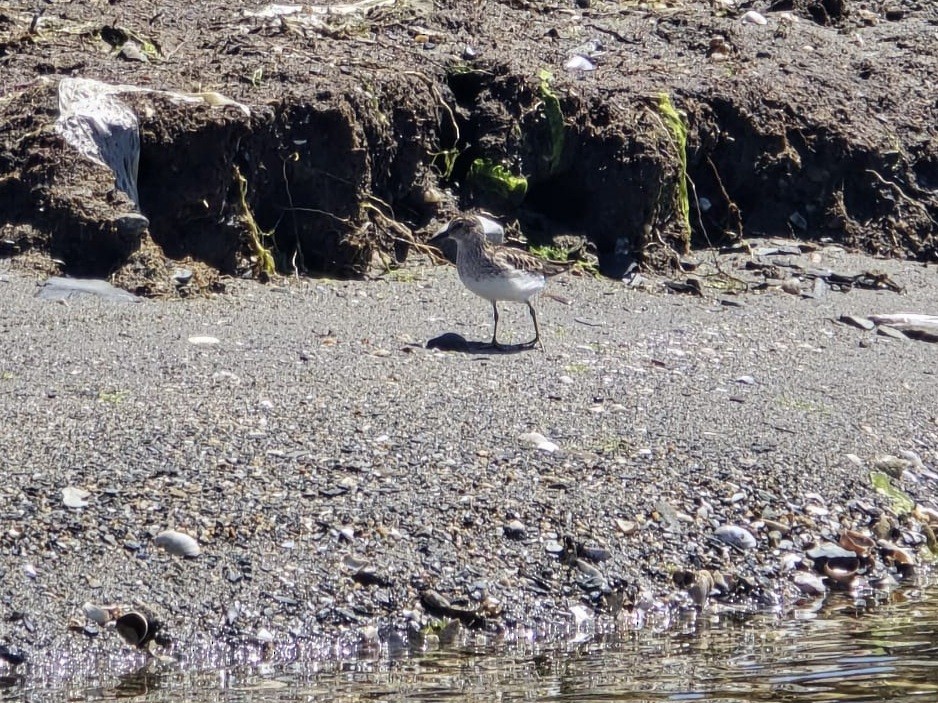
(497, 272)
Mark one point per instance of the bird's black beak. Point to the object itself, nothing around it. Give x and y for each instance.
(443, 243)
(441, 235)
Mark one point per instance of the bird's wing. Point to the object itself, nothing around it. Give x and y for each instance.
(508, 257)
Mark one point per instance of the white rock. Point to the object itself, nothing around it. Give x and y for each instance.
(579, 63)
(264, 635)
(753, 17)
(809, 583)
(735, 536)
(580, 615)
(74, 497)
(539, 441)
(199, 340)
(179, 544)
(226, 377)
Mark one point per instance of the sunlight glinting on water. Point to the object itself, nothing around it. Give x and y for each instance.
(844, 654)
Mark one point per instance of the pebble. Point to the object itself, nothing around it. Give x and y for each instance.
(892, 332)
(539, 441)
(553, 547)
(579, 63)
(864, 323)
(809, 583)
(66, 289)
(203, 340)
(792, 285)
(264, 636)
(735, 536)
(182, 276)
(581, 615)
(74, 497)
(515, 529)
(833, 555)
(179, 544)
(753, 17)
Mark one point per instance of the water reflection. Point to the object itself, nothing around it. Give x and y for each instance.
(842, 653)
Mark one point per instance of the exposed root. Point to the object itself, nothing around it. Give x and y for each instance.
(403, 234)
(914, 203)
(264, 260)
(731, 207)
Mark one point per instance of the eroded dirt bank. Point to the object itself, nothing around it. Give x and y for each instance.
(355, 131)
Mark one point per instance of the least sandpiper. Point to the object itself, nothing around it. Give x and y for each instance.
(497, 272)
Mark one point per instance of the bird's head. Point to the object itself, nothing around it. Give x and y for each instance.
(460, 229)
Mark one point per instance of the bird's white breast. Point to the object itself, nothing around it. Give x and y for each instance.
(514, 286)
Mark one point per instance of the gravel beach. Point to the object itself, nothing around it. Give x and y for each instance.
(347, 485)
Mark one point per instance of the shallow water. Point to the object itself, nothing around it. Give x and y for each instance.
(842, 652)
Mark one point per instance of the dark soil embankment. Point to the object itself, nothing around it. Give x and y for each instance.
(361, 128)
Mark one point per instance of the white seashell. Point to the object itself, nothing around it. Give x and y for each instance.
(74, 497)
(735, 536)
(199, 340)
(539, 441)
(179, 544)
(579, 63)
(753, 17)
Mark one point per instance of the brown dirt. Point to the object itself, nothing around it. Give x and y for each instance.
(363, 129)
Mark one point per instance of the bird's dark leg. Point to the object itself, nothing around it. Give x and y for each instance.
(537, 329)
(495, 329)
